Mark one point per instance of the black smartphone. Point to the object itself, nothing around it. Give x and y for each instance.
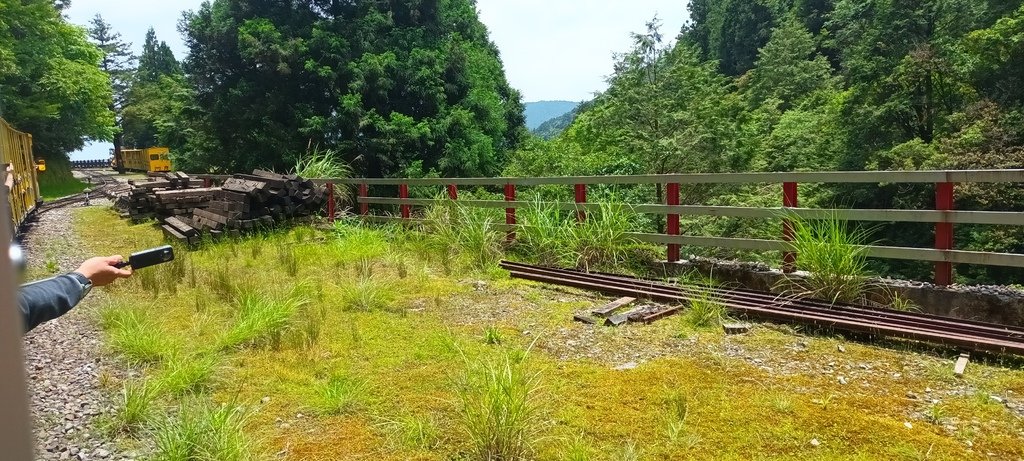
(150, 257)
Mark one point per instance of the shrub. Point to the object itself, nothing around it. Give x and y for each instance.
(705, 310)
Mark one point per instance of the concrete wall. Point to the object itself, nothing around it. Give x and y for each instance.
(988, 304)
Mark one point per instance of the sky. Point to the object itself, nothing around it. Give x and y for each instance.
(551, 49)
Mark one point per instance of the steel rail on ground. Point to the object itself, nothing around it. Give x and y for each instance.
(935, 321)
(973, 335)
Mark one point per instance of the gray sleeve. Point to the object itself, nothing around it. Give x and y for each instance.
(48, 299)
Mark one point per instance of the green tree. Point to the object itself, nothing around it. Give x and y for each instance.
(396, 87)
(50, 82)
(118, 63)
(158, 96)
(156, 59)
(788, 67)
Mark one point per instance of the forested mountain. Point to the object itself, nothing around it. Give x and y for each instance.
(395, 87)
(555, 126)
(782, 85)
(541, 111)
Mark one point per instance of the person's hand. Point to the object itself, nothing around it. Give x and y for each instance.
(101, 271)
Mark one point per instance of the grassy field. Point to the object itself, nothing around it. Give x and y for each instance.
(362, 343)
(57, 182)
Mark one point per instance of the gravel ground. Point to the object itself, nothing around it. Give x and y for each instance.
(63, 357)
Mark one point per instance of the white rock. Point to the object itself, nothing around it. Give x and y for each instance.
(627, 366)
(908, 425)
(842, 380)
(815, 442)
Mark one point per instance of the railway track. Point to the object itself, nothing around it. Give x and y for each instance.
(965, 334)
(100, 183)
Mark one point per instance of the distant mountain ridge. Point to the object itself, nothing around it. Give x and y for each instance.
(541, 111)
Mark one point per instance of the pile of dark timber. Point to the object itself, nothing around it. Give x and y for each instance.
(170, 194)
(242, 203)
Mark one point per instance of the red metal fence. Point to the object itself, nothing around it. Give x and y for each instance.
(943, 216)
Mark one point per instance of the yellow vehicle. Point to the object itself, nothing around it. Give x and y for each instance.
(149, 160)
(16, 151)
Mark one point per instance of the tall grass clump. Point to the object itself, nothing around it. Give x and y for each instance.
(136, 337)
(705, 309)
(135, 406)
(325, 163)
(343, 393)
(185, 374)
(261, 319)
(369, 294)
(203, 432)
(500, 408)
(601, 239)
(832, 254)
(540, 239)
(415, 432)
(469, 232)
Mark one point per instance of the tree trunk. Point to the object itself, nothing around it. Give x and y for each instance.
(118, 158)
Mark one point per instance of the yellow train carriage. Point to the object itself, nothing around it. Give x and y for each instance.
(153, 159)
(16, 150)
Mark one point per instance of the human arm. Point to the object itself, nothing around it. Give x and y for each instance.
(9, 176)
(48, 299)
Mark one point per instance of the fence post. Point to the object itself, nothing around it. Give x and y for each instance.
(672, 199)
(943, 232)
(581, 197)
(453, 192)
(207, 182)
(789, 200)
(403, 193)
(330, 202)
(510, 213)
(364, 192)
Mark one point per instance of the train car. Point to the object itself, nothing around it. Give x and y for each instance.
(16, 150)
(151, 160)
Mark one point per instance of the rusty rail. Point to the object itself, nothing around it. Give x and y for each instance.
(922, 327)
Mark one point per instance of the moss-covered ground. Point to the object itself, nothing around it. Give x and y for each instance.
(367, 361)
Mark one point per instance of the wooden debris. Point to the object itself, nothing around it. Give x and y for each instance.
(583, 318)
(961, 363)
(608, 309)
(245, 202)
(735, 328)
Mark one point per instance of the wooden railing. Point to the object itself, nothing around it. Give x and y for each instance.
(943, 215)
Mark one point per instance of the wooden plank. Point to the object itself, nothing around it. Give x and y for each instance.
(828, 177)
(584, 319)
(608, 309)
(961, 363)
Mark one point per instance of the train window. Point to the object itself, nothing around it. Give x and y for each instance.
(154, 157)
